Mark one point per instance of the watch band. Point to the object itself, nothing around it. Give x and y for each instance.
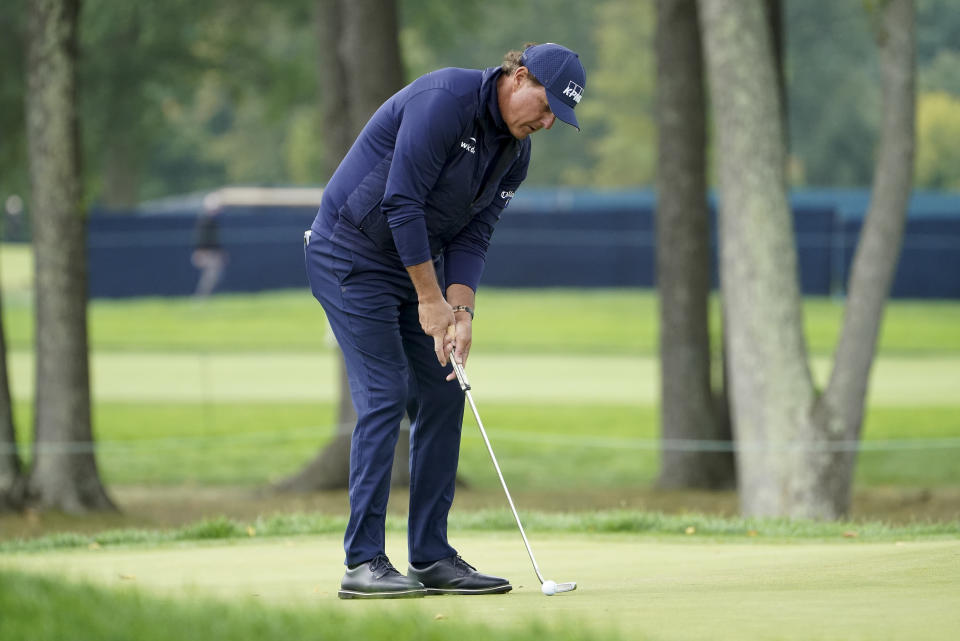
(463, 308)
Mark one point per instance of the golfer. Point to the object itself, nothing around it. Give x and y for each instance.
(394, 257)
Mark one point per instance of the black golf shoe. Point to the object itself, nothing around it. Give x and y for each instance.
(453, 575)
(378, 579)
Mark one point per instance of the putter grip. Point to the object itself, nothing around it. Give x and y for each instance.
(461, 375)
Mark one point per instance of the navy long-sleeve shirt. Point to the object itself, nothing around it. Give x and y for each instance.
(431, 172)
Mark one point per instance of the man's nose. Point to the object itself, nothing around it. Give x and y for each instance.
(548, 120)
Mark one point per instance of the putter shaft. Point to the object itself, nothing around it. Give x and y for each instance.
(465, 386)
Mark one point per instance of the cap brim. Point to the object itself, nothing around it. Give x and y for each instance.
(562, 111)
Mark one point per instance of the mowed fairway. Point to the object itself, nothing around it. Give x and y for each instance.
(639, 587)
(567, 378)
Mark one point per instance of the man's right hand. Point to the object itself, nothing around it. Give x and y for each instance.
(436, 316)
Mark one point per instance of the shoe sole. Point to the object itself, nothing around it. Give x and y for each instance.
(402, 594)
(497, 589)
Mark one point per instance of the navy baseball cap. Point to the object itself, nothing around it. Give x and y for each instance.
(559, 70)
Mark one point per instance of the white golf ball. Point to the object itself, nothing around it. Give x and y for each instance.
(549, 588)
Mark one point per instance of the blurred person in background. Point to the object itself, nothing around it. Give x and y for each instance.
(394, 257)
(208, 255)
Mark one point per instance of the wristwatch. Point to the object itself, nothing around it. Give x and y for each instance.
(463, 308)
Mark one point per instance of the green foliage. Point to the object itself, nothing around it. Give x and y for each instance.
(621, 105)
(180, 96)
(833, 92)
(942, 74)
(938, 29)
(938, 141)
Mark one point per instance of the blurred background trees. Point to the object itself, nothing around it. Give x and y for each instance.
(180, 96)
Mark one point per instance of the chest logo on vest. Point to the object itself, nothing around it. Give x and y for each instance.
(470, 144)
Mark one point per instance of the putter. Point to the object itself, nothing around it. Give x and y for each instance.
(546, 586)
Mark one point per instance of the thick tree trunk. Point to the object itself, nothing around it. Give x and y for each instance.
(797, 453)
(64, 472)
(332, 80)
(771, 386)
(840, 410)
(369, 49)
(360, 68)
(688, 407)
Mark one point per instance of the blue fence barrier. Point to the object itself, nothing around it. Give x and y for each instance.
(538, 243)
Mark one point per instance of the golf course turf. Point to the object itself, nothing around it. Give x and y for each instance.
(635, 587)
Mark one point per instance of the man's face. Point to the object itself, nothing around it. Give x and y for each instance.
(526, 110)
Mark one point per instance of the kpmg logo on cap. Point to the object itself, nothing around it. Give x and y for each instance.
(573, 91)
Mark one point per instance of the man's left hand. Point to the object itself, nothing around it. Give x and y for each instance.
(463, 337)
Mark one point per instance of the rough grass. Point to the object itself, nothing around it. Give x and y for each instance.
(687, 526)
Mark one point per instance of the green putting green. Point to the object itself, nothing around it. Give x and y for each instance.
(640, 587)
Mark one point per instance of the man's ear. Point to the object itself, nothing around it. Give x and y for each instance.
(520, 76)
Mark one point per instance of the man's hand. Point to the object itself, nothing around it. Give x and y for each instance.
(462, 337)
(436, 319)
(436, 315)
(461, 295)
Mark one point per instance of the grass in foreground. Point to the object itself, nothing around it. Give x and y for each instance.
(669, 589)
(44, 609)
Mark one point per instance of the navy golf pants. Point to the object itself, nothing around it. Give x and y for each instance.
(372, 308)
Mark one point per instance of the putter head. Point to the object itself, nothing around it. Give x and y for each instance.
(570, 586)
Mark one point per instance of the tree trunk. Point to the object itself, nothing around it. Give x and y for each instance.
(797, 452)
(840, 410)
(64, 472)
(771, 386)
(360, 68)
(688, 407)
(332, 80)
(369, 49)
